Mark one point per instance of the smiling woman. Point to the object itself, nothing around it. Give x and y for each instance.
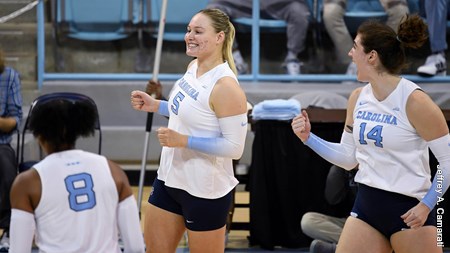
(207, 112)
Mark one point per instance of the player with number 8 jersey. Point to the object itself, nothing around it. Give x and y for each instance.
(73, 200)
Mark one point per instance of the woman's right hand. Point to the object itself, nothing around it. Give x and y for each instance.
(142, 101)
(301, 126)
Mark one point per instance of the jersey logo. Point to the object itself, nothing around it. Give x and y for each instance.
(363, 102)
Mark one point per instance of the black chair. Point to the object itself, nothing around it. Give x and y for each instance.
(69, 96)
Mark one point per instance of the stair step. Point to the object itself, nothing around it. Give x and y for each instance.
(24, 63)
(24, 33)
(23, 56)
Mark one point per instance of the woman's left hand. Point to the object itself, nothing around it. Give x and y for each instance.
(170, 138)
(416, 216)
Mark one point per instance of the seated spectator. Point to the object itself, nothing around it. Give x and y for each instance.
(73, 200)
(296, 14)
(333, 18)
(10, 118)
(436, 16)
(340, 188)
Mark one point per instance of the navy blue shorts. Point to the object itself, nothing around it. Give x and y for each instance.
(199, 214)
(382, 209)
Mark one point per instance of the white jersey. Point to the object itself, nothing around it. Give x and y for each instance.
(391, 155)
(200, 174)
(77, 211)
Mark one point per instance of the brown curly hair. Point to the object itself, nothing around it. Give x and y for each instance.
(390, 46)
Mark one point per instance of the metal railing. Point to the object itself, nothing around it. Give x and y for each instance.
(254, 76)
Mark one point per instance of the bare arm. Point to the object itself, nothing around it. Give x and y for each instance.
(7, 124)
(120, 178)
(25, 195)
(127, 212)
(26, 191)
(425, 116)
(229, 103)
(341, 154)
(430, 124)
(228, 98)
(350, 108)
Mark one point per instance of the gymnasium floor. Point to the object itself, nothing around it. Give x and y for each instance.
(237, 240)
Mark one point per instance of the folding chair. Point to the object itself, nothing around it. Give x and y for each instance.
(91, 20)
(99, 20)
(69, 96)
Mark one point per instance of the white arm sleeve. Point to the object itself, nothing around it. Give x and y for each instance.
(21, 231)
(230, 144)
(341, 154)
(129, 226)
(441, 150)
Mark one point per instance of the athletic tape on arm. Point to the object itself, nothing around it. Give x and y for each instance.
(21, 231)
(341, 154)
(441, 150)
(231, 144)
(129, 226)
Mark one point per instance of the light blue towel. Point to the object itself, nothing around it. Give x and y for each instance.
(277, 109)
(281, 104)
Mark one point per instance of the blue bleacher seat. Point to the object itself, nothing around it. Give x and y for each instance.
(360, 10)
(98, 20)
(178, 16)
(265, 24)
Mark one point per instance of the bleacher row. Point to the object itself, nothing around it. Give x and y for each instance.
(107, 20)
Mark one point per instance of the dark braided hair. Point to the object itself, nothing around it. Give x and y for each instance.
(61, 122)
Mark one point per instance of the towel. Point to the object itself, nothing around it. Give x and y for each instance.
(277, 109)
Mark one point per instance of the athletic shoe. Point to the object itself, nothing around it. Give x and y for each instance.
(319, 246)
(241, 65)
(242, 68)
(292, 67)
(434, 65)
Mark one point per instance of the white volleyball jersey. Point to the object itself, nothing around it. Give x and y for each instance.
(200, 174)
(77, 211)
(391, 155)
